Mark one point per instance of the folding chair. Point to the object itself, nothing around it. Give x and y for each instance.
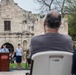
(51, 63)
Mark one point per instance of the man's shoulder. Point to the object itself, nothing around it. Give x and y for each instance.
(66, 36)
(37, 37)
(41, 37)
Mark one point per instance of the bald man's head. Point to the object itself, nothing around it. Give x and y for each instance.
(53, 19)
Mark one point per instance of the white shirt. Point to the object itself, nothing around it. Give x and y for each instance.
(4, 50)
(18, 51)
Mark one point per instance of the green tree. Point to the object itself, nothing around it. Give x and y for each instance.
(72, 25)
(70, 8)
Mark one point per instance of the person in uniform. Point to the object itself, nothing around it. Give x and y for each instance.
(19, 56)
(4, 49)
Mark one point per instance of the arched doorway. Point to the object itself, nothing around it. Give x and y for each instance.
(9, 46)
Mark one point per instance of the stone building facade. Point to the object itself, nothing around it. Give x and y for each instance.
(17, 25)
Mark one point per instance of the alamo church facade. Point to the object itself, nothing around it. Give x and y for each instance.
(17, 26)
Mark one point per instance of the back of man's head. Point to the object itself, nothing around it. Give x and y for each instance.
(53, 19)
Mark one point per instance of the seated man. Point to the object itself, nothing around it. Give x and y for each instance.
(51, 40)
(4, 49)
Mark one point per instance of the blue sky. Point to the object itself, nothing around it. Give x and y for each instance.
(29, 5)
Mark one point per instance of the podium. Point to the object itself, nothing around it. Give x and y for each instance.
(4, 62)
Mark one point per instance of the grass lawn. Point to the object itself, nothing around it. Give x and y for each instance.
(14, 65)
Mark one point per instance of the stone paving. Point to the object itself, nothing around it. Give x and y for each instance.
(15, 72)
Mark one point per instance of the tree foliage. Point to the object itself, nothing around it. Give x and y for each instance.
(70, 8)
(72, 25)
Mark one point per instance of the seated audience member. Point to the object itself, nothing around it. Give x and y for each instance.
(4, 49)
(51, 40)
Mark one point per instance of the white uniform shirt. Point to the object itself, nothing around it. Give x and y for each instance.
(18, 51)
(4, 50)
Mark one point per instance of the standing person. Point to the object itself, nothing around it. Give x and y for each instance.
(19, 56)
(4, 49)
(51, 40)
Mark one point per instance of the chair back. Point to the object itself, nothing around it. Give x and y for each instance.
(52, 63)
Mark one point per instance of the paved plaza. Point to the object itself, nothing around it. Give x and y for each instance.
(15, 72)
